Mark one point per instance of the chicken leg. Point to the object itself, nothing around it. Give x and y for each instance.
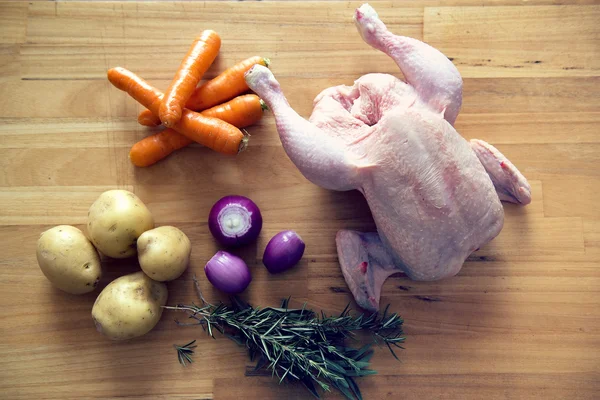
(321, 158)
(431, 73)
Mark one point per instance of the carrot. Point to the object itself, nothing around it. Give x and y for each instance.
(225, 86)
(242, 111)
(146, 118)
(136, 87)
(199, 58)
(213, 133)
(210, 132)
(154, 148)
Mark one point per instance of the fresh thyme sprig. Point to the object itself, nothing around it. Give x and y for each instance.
(298, 344)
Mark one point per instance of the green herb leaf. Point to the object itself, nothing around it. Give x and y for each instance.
(184, 353)
(354, 387)
(311, 387)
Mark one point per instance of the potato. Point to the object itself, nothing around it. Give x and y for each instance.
(164, 253)
(115, 221)
(129, 306)
(68, 259)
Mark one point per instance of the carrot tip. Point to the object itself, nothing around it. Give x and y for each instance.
(170, 120)
(244, 142)
(267, 62)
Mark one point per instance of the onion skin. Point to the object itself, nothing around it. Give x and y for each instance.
(228, 273)
(283, 251)
(235, 203)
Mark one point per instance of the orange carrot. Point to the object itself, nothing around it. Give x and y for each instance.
(154, 148)
(136, 87)
(199, 58)
(210, 132)
(242, 111)
(146, 118)
(225, 86)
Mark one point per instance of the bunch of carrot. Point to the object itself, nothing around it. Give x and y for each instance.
(209, 114)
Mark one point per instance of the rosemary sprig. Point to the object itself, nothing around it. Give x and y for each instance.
(184, 353)
(298, 344)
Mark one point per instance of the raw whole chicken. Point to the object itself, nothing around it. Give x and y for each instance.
(434, 196)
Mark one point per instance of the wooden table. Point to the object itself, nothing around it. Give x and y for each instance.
(520, 321)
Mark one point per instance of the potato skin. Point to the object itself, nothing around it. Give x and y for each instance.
(68, 259)
(164, 253)
(115, 221)
(129, 306)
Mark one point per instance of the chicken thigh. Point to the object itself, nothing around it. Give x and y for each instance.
(435, 197)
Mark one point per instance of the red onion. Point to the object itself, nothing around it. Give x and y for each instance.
(235, 221)
(283, 251)
(228, 273)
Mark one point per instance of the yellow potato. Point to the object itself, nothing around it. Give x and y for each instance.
(129, 306)
(68, 259)
(115, 221)
(164, 253)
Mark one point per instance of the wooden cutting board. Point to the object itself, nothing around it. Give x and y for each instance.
(520, 321)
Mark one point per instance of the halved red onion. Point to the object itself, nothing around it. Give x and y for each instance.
(235, 220)
(228, 273)
(283, 251)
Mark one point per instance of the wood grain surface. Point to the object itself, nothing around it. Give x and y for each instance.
(520, 321)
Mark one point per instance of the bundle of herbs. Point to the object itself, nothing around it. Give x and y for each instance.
(297, 345)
